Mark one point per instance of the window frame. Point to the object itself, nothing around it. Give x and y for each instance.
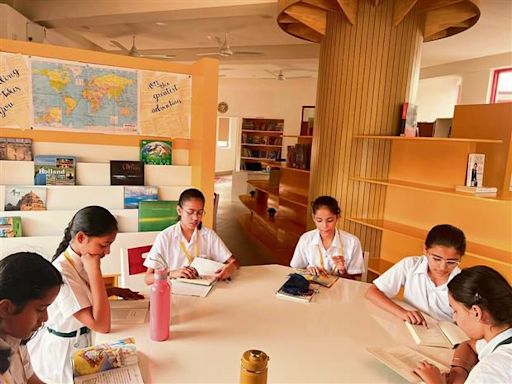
(495, 81)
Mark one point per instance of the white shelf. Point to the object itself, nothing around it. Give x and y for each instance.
(96, 174)
(46, 246)
(73, 197)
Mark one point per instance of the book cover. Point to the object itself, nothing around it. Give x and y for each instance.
(125, 172)
(129, 311)
(156, 152)
(157, 215)
(54, 170)
(475, 170)
(323, 280)
(25, 198)
(133, 194)
(442, 334)
(15, 149)
(10, 226)
(408, 121)
(306, 298)
(109, 362)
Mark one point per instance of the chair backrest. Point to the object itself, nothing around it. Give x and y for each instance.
(366, 259)
(132, 263)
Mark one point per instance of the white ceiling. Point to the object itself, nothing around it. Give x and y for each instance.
(186, 27)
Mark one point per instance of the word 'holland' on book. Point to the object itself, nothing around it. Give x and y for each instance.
(54, 170)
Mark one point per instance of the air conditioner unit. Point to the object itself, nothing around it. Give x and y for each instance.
(15, 26)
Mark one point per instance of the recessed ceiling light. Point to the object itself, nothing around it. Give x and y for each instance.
(161, 23)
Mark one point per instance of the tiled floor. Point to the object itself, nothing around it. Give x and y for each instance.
(243, 247)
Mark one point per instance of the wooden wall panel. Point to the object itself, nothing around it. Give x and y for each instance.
(367, 70)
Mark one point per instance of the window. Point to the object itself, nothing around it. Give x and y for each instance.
(501, 91)
(223, 133)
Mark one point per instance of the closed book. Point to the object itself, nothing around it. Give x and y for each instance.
(54, 170)
(157, 215)
(10, 226)
(133, 194)
(158, 152)
(475, 170)
(15, 149)
(306, 298)
(124, 172)
(25, 198)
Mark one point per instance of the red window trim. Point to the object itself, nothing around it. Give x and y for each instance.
(495, 78)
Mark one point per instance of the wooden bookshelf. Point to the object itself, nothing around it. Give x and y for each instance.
(260, 139)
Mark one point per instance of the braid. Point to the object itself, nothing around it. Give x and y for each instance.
(5, 353)
(65, 241)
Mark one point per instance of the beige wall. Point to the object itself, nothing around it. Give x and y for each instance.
(437, 97)
(225, 157)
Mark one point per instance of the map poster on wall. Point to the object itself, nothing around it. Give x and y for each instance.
(165, 104)
(14, 91)
(83, 97)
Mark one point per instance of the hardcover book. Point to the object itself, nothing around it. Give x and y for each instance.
(25, 198)
(107, 363)
(156, 152)
(124, 172)
(15, 149)
(157, 215)
(10, 226)
(133, 194)
(475, 170)
(54, 170)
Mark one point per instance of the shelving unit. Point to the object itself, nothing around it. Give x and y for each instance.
(260, 139)
(420, 190)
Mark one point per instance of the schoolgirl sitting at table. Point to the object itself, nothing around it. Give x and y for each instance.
(180, 243)
(326, 249)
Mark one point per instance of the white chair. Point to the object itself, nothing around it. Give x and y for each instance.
(132, 268)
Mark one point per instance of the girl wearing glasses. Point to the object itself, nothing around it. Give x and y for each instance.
(424, 278)
(180, 243)
(326, 249)
(481, 300)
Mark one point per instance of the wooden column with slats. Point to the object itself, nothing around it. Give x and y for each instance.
(369, 65)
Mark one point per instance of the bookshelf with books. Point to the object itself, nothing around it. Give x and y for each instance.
(42, 230)
(420, 190)
(260, 139)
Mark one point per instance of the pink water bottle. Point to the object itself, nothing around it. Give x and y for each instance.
(160, 307)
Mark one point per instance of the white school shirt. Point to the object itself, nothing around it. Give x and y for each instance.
(419, 290)
(51, 354)
(309, 249)
(493, 367)
(20, 369)
(167, 245)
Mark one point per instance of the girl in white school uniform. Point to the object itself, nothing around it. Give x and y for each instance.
(28, 285)
(327, 249)
(180, 243)
(424, 278)
(481, 300)
(82, 304)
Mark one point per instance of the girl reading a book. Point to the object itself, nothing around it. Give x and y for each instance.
(180, 243)
(424, 278)
(481, 300)
(326, 249)
(28, 285)
(82, 303)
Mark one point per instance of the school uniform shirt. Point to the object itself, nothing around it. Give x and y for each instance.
(310, 252)
(51, 354)
(20, 369)
(172, 245)
(419, 290)
(494, 366)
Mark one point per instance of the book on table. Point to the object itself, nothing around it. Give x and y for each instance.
(403, 360)
(324, 280)
(206, 270)
(442, 334)
(296, 288)
(114, 362)
(129, 311)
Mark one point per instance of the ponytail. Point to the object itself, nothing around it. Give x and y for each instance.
(65, 241)
(93, 221)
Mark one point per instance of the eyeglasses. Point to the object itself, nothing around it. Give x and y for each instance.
(191, 212)
(439, 260)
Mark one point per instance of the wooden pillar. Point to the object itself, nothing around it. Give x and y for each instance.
(370, 53)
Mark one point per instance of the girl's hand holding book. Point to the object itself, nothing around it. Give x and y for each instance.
(429, 373)
(185, 272)
(414, 317)
(316, 271)
(339, 263)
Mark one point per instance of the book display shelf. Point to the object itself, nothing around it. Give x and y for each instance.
(286, 192)
(420, 190)
(260, 139)
(43, 230)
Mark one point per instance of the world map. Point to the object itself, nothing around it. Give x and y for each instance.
(83, 97)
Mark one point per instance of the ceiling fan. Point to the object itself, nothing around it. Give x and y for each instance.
(279, 75)
(224, 49)
(133, 51)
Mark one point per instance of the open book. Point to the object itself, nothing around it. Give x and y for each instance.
(129, 311)
(114, 362)
(443, 334)
(324, 280)
(206, 269)
(403, 360)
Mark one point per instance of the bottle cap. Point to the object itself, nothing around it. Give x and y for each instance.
(254, 360)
